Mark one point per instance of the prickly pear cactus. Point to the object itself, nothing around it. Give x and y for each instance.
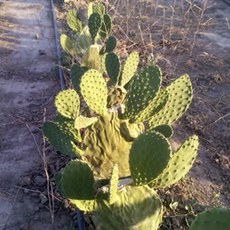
(110, 44)
(216, 218)
(179, 99)
(133, 207)
(129, 68)
(117, 123)
(136, 208)
(149, 156)
(73, 21)
(105, 26)
(94, 90)
(112, 64)
(113, 185)
(97, 29)
(92, 58)
(73, 175)
(94, 25)
(67, 44)
(141, 90)
(178, 165)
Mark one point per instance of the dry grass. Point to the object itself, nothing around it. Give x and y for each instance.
(158, 28)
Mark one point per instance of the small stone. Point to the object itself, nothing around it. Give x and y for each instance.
(25, 181)
(23, 227)
(26, 191)
(35, 129)
(40, 181)
(42, 52)
(43, 199)
(36, 217)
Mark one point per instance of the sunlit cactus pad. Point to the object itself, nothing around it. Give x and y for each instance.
(136, 208)
(94, 91)
(213, 219)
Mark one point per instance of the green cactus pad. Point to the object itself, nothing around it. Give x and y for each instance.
(136, 208)
(179, 164)
(154, 107)
(110, 44)
(76, 72)
(62, 137)
(94, 91)
(213, 219)
(84, 205)
(130, 68)
(148, 157)
(73, 21)
(83, 42)
(112, 64)
(105, 146)
(67, 103)
(141, 90)
(96, 8)
(165, 130)
(105, 26)
(130, 131)
(66, 44)
(77, 181)
(180, 96)
(83, 122)
(94, 24)
(113, 185)
(92, 58)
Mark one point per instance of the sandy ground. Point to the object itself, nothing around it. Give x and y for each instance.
(28, 82)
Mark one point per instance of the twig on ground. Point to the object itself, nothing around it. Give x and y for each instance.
(45, 166)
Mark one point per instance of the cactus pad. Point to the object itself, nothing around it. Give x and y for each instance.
(179, 164)
(84, 205)
(136, 208)
(92, 58)
(165, 130)
(83, 122)
(73, 21)
(105, 26)
(76, 72)
(110, 44)
(149, 156)
(141, 90)
(62, 137)
(94, 25)
(113, 185)
(96, 8)
(94, 91)
(180, 96)
(213, 219)
(130, 68)
(105, 146)
(67, 103)
(66, 44)
(83, 41)
(155, 106)
(112, 64)
(130, 131)
(73, 175)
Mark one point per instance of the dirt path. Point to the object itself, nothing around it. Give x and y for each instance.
(27, 84)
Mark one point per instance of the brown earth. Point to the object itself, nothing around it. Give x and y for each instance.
(28, 82)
